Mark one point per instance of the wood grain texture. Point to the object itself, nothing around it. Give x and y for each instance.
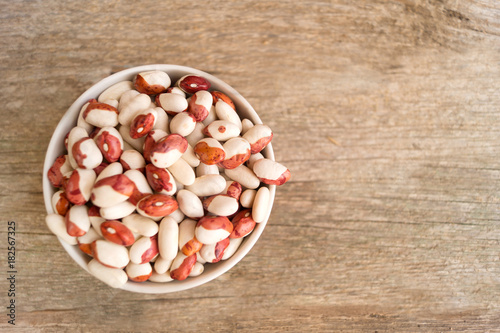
(385, 111)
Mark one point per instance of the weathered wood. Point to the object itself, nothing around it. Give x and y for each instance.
(386, 112)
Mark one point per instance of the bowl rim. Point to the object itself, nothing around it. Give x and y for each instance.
(68, 121)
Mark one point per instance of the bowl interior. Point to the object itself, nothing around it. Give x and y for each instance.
(68, 121)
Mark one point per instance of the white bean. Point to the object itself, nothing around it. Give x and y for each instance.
(113, 277)
(141, 225)
(221, 204)
(247, 197)
(182, 172)
(162, 265)
(206, 169)
(244, 176)
(207, 185)
(110, 254)
(190, 157)
(115, 91)
(190, 204)
(117, 211)
(182, 123)
(226, 112)
(161, 278)
(168, 238)
(261, 205)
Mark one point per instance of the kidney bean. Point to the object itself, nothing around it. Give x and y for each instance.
(243, 224)
(136, 144)
(86, 153)
(132, 160)
(271, 172)
(143, 123)
(160, 180)
(182, 266)
(199, 105)
(213, 229)
(259, 137)
(118, 233)
(152, 82)
(221, 204)
(141, 189)
(81, 121)
(79, 186)
(237, 152)
(168, 150)
(196, 135)
(74, 136)
(96, 219)
(131, 103)
(87, 239)
(191, 84)
(57, 225)
(197, 270)
(150, 141)
(209, 151)
(112, 169)
(111, 191)
(100, 114)
(110, 143)
(218, 95)
(213, 253)
(211, 117)
(144, 250)
(234, 244)
(139, 273)
(233, 189)
(157, 205)
(77, 221)
(188, 244)
(140, 225)
(60, 203)
(60, 167)
(254, 158)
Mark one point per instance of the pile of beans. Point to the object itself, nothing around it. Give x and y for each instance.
(159, 179)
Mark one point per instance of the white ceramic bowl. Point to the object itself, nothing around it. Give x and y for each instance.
(68, 121)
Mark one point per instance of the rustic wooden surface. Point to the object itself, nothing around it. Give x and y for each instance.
(386, 112)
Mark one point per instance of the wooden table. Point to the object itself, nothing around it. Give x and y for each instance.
(386, 112)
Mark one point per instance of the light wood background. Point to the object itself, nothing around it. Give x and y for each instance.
(386, 112)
